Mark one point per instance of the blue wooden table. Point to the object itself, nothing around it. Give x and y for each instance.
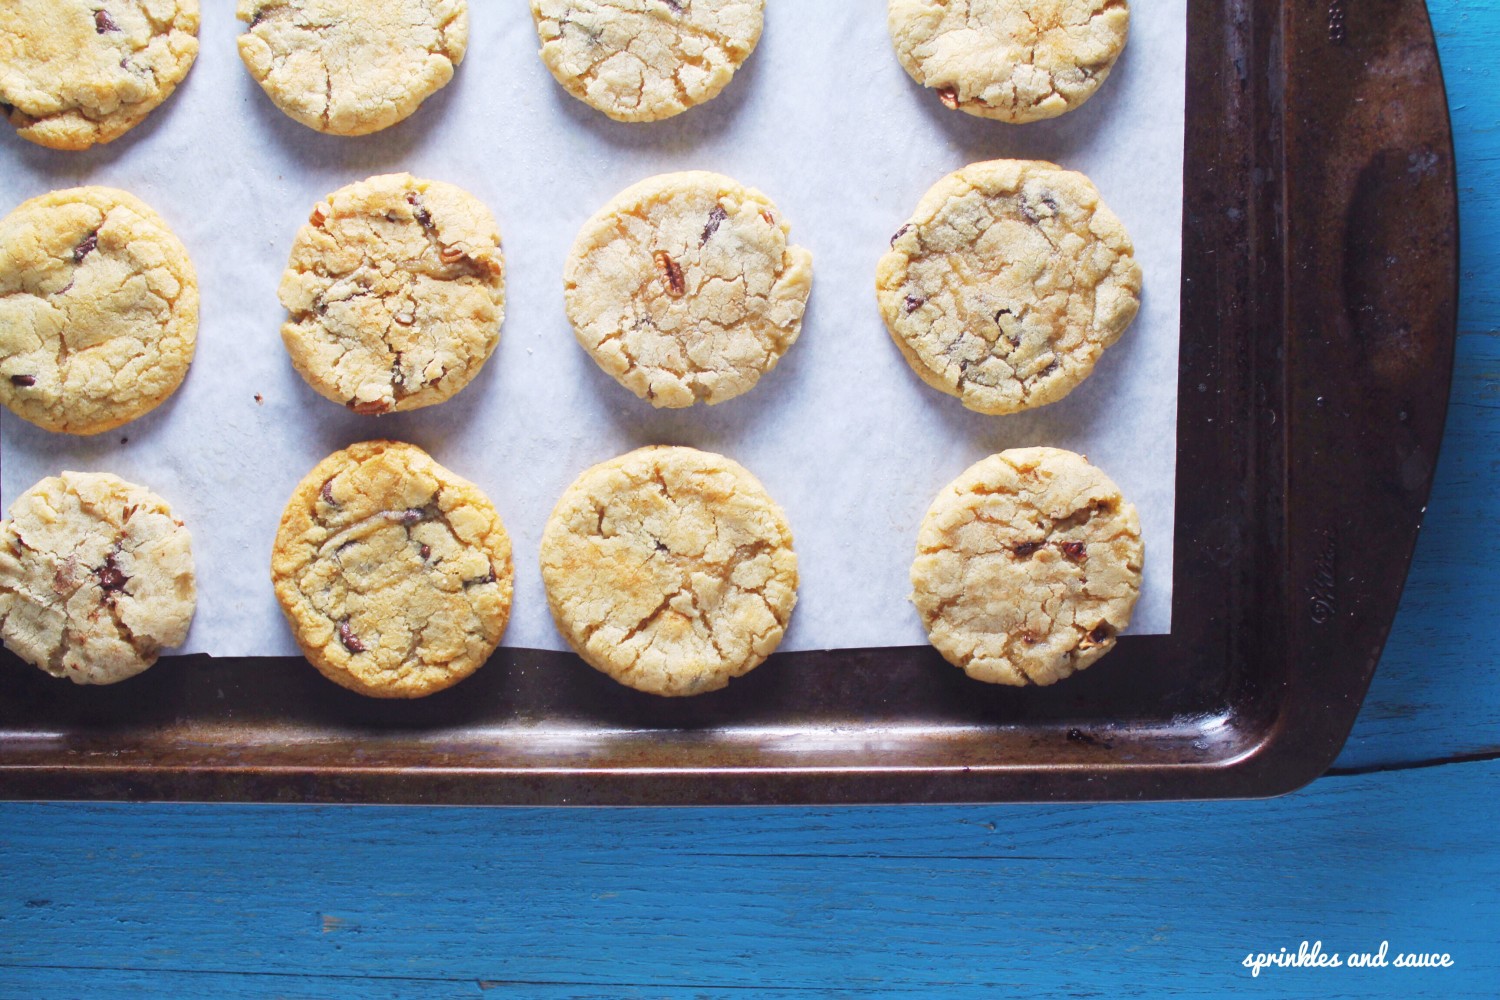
(1397, 844)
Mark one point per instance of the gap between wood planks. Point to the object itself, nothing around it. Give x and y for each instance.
(1477, 757)
(482, 984)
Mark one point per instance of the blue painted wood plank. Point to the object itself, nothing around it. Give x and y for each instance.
(1468, 32)
(1095, 900)
(1437, 690)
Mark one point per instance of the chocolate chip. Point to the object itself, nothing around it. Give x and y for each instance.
(1076, 551)
(103, 22)
(349, 639)
(676, 7)
(111, 580)
(1100, 634)
(23, 380)
(715, 219)
(425, 551)
(1050, 202)
(419, 211)
(1051, 367)
(671, 273)
(480, 581)
(412, 515)
(1027, 212)
(949, 97)
(900, 233)
(259, 399)
(1025, 549)
(913, 303)
(327, 494)
(82, 250)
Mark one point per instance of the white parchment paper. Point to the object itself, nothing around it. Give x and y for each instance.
(822, 118)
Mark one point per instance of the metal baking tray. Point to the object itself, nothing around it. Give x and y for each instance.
(1319, 298)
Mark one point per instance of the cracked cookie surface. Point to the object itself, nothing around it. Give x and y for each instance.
(394, 574)
(685, 288)
(1008, 283)
(96, 578)
(396, 290)
(1013, 60)
(74, 73)
(1028, 565)
(645, 60)
(352, 67)
(98, 310)
(670, 569)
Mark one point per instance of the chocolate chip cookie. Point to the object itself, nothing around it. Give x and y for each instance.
(394, 574)
(396, 290)
(670, 569)
(74, 73)
(1028, 566)
(686, 288)
(1008, 284)
(352, 67)
(645, 60)
(96, 578)
(98, 310)
(1013, 60)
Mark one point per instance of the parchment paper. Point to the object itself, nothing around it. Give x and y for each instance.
(822, 118)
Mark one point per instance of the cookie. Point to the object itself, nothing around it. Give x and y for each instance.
(352, 67)
(1013, 60)
(78, 72)
(396, 290)
(645, 60)
(685, 288)
(1028, 565)
(98, 310)
(96, 578)
(670, 569)
(394, 574)
(1008, 284)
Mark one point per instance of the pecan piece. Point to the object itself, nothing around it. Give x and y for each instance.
(671, 273)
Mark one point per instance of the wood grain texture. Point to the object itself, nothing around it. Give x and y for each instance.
(1437, 691)
(1467, 34)
(1088, 900)
(1137, 901)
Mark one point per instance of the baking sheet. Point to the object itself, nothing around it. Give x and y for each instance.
(822, 118)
